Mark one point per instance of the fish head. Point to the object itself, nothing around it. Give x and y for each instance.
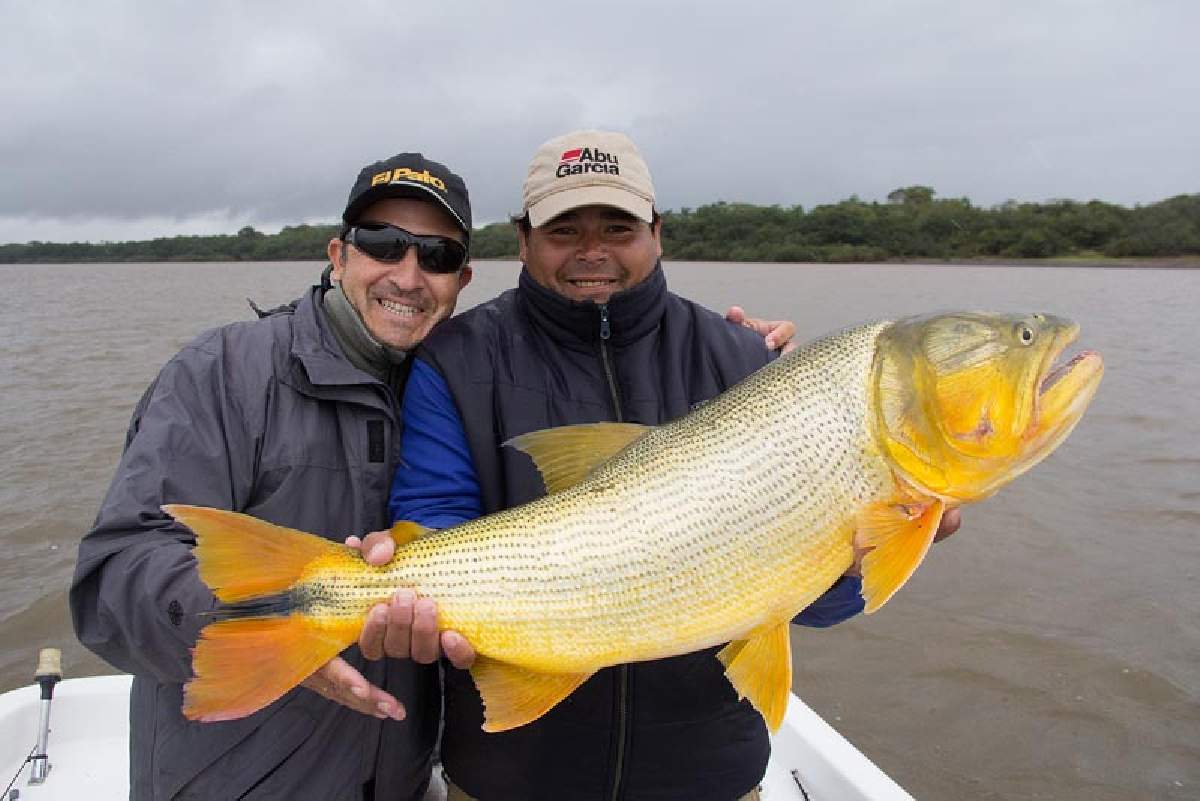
(967, 401)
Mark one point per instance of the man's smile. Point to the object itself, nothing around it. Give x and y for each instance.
(591, 282)
(399, 308)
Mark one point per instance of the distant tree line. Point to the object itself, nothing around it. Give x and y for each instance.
(912, 224)
(294, 243)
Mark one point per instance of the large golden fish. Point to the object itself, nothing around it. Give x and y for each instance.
(716, 528)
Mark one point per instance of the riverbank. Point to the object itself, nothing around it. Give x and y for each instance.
(1091, 261)
(913, 228)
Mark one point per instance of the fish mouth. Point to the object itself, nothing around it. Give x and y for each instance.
(1058, 373)
(1063, 391)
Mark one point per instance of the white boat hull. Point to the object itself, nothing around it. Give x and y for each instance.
(89, 756)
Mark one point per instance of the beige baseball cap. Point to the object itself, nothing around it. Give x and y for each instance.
(586, 168)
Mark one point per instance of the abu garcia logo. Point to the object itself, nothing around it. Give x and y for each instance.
(585, 159)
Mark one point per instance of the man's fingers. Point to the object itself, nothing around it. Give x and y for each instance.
(951, 520)
(346, 686)
(351, 689)
(425, 645)
(782, 332)
(398, 642)
(371, 639)
(457, 650)
(378, 548)
(775, 333)
(412, 633)
(339, 682)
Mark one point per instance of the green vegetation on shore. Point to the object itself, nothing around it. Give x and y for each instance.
(912, 224)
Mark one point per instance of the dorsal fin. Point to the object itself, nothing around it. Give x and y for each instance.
(405, 531)
(564, 456)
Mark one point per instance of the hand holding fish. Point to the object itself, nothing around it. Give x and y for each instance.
(403, 628)
(406, 627)
(338, 681)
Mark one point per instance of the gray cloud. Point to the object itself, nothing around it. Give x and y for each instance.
(134, 119)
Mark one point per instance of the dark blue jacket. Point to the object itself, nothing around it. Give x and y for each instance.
(531, 359)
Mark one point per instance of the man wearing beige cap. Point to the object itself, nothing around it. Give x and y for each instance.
(590, 334)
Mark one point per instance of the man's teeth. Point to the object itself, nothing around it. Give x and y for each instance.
(584, 283)
(399, 308)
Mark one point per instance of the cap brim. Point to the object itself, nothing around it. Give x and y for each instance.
(412, 189)
(550, 207)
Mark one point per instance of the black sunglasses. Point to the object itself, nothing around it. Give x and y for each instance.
(385, 242)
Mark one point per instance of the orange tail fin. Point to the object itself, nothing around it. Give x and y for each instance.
(259, 648)
(242, 665)
(243, 557)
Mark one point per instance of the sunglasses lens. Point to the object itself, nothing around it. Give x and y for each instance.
(435, 254)
(385, 243)
(441, 256)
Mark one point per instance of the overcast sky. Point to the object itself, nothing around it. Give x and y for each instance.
(140, 119)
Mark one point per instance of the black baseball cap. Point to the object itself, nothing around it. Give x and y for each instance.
(410, 175)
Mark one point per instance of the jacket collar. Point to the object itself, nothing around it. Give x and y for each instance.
(316, 348)
(632, 313)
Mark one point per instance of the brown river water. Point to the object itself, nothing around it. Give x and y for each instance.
(1050, 650)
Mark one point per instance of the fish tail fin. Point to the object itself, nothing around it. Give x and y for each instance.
(242, 664)
(261, 644)
(241, 557)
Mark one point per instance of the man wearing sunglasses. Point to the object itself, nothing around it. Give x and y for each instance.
(292, 418)
(590, 334)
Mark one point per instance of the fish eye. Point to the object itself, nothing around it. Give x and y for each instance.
(1025, 334)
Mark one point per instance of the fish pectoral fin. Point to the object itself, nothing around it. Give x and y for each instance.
(565, 455)
(405, 531)
(513, 696)
(899, 536)
(760, 669)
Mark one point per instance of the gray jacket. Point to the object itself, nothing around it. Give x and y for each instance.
(265, 417)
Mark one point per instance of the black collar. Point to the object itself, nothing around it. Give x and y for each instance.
(632, 313)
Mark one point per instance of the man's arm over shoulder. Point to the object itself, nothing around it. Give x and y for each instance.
(435, 483)
(136, 598)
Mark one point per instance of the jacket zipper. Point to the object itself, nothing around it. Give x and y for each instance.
(623, 670)
(622, 727)
(606, 360)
